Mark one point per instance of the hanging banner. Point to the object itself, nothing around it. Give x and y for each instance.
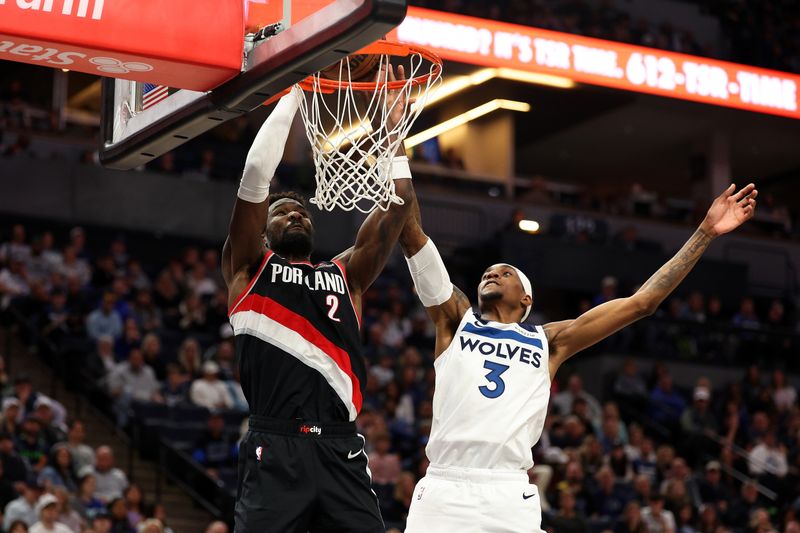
(599, 62)
(189, 44)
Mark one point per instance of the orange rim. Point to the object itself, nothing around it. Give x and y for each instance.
(314, 83)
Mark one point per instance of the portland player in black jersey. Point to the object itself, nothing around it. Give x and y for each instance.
(302, 466)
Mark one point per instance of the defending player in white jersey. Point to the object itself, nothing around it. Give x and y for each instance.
(493, 376)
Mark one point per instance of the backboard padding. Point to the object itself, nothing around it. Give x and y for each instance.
(308, 46)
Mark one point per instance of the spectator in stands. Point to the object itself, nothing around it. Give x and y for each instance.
(666, 405)
(82, 454)
(110, 481)
(563, 400)
(190, 358)
(104, 320)
(7, 491)
(631, 520)
(209, 391)
(101, 362)
(215, 448)
(396, 509)
(768, 457)
(712, 490)
(656, 518)
(784, 394)
(742, 507)
(32, 445)
(24, 507)
(642, 488)
(45, 412)
(73, 266)
(14, 283)
(18, 526)
(66, 514)
(15, 469)
(175, 390)
(17, 248)
(697, 421)
(59, 471)
(567, 519)
(36, 265)
(385, 466)
(11, 411)
(47, 512)
(746, 318)
(608, 291)
(151, 352)
(200, 283)
(134, 504)
(629, 387)
(192, 314)
(608, 498)
(51, 255)
(102, 523)
(119, 516)
(104, 273)
(131, 380)
(144, 311)
(84, 500)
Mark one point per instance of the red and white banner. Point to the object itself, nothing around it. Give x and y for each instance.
(599, 62)
(190, 44)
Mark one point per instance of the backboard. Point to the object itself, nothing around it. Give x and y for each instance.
(141, 121)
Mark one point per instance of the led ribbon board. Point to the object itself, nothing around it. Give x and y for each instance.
(599, 62)
(188, 44)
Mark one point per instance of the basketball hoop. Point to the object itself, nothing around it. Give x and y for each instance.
(352, 142)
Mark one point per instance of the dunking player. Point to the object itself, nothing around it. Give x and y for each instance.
(302, 466)
(493, 376)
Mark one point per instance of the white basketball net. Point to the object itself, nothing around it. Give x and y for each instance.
(352, 143)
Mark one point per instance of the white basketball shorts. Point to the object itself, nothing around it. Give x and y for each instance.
(471, 500)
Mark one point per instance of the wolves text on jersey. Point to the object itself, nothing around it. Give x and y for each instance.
(322, 281)
(503, 350)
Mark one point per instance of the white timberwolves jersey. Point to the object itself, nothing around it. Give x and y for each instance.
(492, 390)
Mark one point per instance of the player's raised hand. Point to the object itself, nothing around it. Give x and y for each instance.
(730, 210)
(395, 98)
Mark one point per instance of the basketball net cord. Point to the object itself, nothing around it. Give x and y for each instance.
(353, 154)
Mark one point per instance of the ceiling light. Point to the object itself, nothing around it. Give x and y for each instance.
(463, 118)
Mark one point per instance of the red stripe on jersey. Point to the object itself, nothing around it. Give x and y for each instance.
(299, 324)
(249, 287)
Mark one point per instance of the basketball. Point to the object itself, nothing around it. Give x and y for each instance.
(362, 68)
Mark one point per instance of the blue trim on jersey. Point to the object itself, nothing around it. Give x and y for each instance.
(495, 333)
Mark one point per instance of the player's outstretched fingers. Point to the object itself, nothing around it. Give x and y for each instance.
(745, 192)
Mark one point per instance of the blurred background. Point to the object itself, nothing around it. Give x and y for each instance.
(120, 392)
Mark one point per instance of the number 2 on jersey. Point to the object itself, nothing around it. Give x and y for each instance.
(495, 371)
(333, 302)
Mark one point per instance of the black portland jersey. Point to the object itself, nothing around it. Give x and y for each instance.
(298, 342)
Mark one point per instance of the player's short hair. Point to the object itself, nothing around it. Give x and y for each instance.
(299, 198)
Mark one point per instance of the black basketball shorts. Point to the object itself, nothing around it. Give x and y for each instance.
(304, 477)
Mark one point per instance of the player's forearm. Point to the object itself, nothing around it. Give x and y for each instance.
(267, 150)
(669, 276)
(412, 237)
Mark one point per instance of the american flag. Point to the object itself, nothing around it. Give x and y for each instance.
(153, 94)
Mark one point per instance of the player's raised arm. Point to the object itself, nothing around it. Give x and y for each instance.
(444, 302)
(378, 234)
(245, 242)
(729, 210)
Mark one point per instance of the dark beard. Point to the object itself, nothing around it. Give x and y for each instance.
(293, 244)
(491, 296)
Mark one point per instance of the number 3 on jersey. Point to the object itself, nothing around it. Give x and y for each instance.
(333, 303)
(495, 371)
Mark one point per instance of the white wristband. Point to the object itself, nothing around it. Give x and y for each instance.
(400, 168)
